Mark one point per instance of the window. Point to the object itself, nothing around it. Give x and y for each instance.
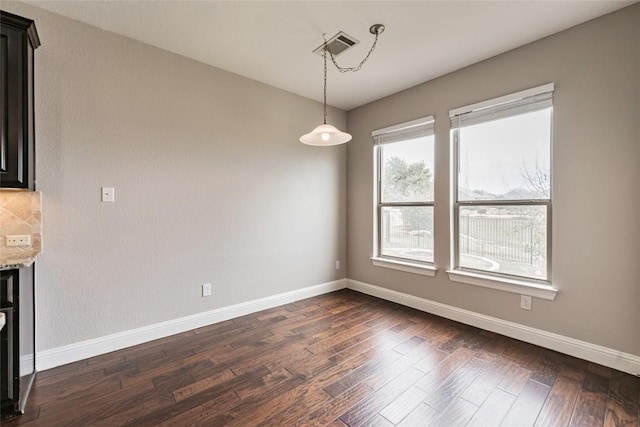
(404, 165)
(502, 188)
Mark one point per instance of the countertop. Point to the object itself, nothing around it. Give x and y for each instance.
(18, 262)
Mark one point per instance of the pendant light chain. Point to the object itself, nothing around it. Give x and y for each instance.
(327, 135)
(376, 30)
(325, 83)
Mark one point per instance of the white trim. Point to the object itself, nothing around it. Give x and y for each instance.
(405, 125)
(594, 353)
(26, 364)
(522, 287)
(409, 267)
(51, 358)
(502, 99)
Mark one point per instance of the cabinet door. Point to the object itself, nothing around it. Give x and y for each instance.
(4, 102)
(9, 377)
(14, 138)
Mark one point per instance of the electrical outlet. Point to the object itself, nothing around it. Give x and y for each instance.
(525, 302)
(19, 240)
(206, 290)
(338, 265)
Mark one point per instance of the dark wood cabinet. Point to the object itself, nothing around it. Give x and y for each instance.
(18, 40)
(17, 340)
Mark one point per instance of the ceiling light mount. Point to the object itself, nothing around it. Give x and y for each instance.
(376, 29)
(326, 134)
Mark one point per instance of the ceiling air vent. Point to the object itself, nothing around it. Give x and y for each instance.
(337, 44)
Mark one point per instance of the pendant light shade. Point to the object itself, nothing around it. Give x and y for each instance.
(324, 136)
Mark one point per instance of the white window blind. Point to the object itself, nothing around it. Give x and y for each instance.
(499, 108)
(409, 130)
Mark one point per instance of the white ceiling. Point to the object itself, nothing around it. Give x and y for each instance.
(272, 41)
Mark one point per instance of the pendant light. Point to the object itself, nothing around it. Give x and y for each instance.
(326, 135)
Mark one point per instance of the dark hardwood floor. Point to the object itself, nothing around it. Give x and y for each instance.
(341, 359)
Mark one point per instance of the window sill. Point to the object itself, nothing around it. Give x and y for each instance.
(547, 292)
(408, 267)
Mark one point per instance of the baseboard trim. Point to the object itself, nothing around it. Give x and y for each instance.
(594, 353)
(26, 365)
(58, 356)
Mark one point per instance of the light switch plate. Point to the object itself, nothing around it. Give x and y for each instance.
(206, 290)
(108, 194)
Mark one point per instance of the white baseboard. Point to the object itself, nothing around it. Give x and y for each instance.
(594, 353)
(26, 365)
(51, 358)
(58, 356)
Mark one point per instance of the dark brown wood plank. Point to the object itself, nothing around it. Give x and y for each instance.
(493, 410)
(401, 365)
(209, 413)
(361, 373)
(202, 385)
(368, 407)
(560, 402)
(379, 421)
(403, 405)
(157, 413)
(453, 386)
(574, 369)
(485, 382)
(377, 341)
(457, 414)
(515, 379)
(592, 400)
(622, 404)
(526, 408)
(444, 369)
(422, 415)
(250, 411)
(326, 413)
(337, 359)
(430, 359)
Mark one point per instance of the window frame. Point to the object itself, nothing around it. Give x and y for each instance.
(505, 281)
(379, 259)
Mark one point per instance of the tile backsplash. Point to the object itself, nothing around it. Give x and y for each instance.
(20, 214)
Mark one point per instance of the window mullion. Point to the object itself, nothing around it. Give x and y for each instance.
(501, 202)
(401, 204)
(455, 241)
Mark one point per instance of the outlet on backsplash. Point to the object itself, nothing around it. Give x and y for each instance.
(20, 227)
(18, 240)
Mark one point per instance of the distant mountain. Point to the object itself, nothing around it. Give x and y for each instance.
(513, 194)
(467, 194)
(519, 193)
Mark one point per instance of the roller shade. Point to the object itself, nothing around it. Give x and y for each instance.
(511, 105)
(404, 131)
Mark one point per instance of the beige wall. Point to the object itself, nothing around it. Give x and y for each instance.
(596, 180)
(211, 185)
